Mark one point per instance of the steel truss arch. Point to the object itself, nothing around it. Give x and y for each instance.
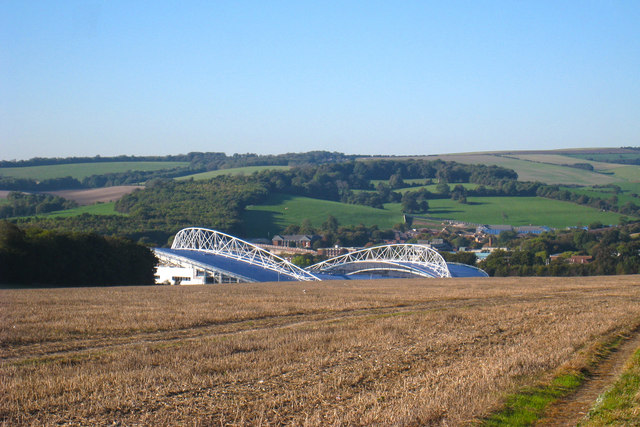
(419, 260)
(215, 242)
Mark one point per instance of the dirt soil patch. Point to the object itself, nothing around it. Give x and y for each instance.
(93, 195)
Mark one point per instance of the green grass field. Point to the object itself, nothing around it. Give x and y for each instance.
(606, 194)
(605, 157)
(83, 170)
(431, 187)
(631, 187)
(560, 159)
(533, 171)
(282, 210)
(95, 209)
(247, 170)
(629, 173)
(519, 211)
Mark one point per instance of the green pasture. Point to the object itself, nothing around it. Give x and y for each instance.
(561, 159)
(247, 170)
(519, 211)
(95, 209)
(430, 187)
(282, 210)
(629, 173)
(83, 170)
(607, 193)
(606, 157)
(631, 187)
(535, 171)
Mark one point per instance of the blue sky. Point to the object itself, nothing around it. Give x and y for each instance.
(130, 77)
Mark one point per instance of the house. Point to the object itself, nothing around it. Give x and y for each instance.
(532, 229)
(573, 259)
(493, 229)
(439, 245)
(333, 252)
(294, 240)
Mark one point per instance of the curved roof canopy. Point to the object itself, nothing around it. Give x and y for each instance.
(222, 254)
(245, 254)
(388, 260)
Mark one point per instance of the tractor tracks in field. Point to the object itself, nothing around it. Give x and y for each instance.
(63, 348)
(56, 349)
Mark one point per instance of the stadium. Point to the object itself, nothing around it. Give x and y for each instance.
(203, 256)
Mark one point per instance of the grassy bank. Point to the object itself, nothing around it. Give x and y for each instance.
(619, 405)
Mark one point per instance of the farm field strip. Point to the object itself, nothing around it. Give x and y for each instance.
(356, 352)
(83, 170)
(281, 210)
(59, 348)
(532, 171)
(54, 348)
(50, 346)
(92, 195)
(518, 211)
(246, 170)
(108, 208)
(559, 159)
(629, 173)
(605, 157)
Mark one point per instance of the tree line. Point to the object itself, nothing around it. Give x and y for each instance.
(32, 256)
(198, 162)
(22, 204)
(331, 176)
(166, 205)
(205, 161)
(613, 250)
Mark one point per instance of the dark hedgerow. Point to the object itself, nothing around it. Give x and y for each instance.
(35, 256)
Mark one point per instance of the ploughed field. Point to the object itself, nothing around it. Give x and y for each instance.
(359, 352)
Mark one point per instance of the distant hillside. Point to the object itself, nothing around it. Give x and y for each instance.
(47, 174)
(80, 171)
(600, 166)
(517, 188)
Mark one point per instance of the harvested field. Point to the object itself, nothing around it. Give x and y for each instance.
(440, 352)
(94, 195)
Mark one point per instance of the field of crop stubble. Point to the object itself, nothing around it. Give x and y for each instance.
(361, 352)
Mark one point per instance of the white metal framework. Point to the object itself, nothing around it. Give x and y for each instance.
(215, 242)
(416, 260)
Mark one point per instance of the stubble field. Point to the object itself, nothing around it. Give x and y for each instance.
(443, 352)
